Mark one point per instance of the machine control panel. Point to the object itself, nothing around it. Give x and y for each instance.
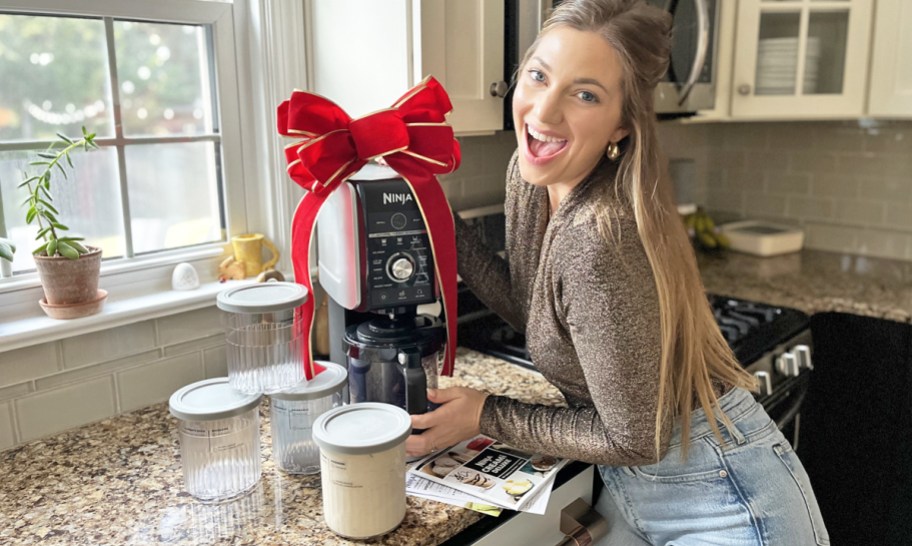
(399, 268)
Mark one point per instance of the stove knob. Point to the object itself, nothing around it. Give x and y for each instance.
(766, 387)
(787, 364)
(803, 352)
(400, 268)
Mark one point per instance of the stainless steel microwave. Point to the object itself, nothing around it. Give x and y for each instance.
(690, 83)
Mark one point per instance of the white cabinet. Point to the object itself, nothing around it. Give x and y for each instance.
(801, 59)
(890, 92)
(364, 54)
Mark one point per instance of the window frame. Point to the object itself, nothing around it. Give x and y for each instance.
(258, 49)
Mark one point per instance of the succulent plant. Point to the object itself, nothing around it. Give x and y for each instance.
(39, 205)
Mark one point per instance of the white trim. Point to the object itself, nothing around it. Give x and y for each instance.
(275, 45)
(116, 312)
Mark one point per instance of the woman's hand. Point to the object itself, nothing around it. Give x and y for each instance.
(456, 419)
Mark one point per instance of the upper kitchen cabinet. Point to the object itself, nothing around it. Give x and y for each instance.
(801, 59)
(891, 60)
(365, 54)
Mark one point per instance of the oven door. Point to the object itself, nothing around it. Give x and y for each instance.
(784, 406)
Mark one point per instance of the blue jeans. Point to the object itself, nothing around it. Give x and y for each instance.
(749, 489)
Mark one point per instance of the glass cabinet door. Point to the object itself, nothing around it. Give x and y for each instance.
(801, 57)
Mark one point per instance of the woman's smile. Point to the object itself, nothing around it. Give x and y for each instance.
(541, 147)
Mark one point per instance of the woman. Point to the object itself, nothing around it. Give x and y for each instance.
(601, 276)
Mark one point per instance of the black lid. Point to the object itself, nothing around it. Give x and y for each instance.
(422, 331)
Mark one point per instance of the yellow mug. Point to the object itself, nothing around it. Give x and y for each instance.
(248, 248)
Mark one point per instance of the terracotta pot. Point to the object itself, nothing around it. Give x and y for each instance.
(70, 282)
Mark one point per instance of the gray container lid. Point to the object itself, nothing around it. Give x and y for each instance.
(262, 297)
(211, 399)
(361, 429)
(327, 382)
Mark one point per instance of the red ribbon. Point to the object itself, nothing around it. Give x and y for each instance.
(413, 138)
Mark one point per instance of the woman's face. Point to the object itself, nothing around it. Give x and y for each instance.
(567, 106)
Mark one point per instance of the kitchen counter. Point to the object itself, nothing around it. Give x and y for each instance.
(814, 281)
(118, 482)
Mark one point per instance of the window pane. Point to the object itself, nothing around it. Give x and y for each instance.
(777, 53)
(824, 62)
(88, 201)
(53, 76)
(174, 195)
(163, 74)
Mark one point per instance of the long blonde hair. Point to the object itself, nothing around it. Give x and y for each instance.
(694, 353)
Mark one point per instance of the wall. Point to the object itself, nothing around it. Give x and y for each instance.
(847, 184)
(55, 386)
(51, 387)
(479, 181)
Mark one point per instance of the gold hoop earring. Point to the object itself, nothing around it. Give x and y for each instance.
(614, 151)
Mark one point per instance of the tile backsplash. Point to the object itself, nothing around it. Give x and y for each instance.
(48, 388)
(847, 184)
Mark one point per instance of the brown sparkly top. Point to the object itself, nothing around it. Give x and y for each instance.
(590, 312)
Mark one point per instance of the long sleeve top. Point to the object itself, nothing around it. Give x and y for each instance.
(590, 311)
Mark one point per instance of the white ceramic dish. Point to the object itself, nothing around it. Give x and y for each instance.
(763, 238)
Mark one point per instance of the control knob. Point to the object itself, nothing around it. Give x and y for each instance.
(787, 364)
(400, 267)
(766, 386)
(803, 354)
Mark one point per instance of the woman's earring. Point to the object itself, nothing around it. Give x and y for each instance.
(614, 151)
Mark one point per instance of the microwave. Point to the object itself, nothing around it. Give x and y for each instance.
(690, 83)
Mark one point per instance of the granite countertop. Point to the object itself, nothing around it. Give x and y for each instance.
(118, 482)
(814, 281)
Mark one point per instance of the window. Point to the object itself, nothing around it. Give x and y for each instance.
(240, 59)
(148, 89)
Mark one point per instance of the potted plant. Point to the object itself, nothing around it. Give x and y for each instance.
(68, 269)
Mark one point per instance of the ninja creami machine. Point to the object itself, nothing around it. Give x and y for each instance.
(376, 265)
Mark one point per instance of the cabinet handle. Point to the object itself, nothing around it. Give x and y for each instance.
(499, 89)
(744, 89)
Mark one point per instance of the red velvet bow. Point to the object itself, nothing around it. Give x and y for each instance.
(412, 137)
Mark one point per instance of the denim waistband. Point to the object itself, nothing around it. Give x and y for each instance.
(735, 404)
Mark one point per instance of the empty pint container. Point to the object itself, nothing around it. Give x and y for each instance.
(362, 466)
(219, 429)
(264, 335)
(292, 415)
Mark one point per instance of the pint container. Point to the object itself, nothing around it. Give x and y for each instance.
(264, 335)
(362, 465)
(219, 429)
(292, 415)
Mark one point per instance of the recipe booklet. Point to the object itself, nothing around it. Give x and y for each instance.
(489, 470)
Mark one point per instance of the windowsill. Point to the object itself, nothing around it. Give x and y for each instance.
(39, 328)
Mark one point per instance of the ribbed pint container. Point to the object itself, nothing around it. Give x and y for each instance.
(264, 337)
(219, 429)
(362, 468)
(292, 415)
